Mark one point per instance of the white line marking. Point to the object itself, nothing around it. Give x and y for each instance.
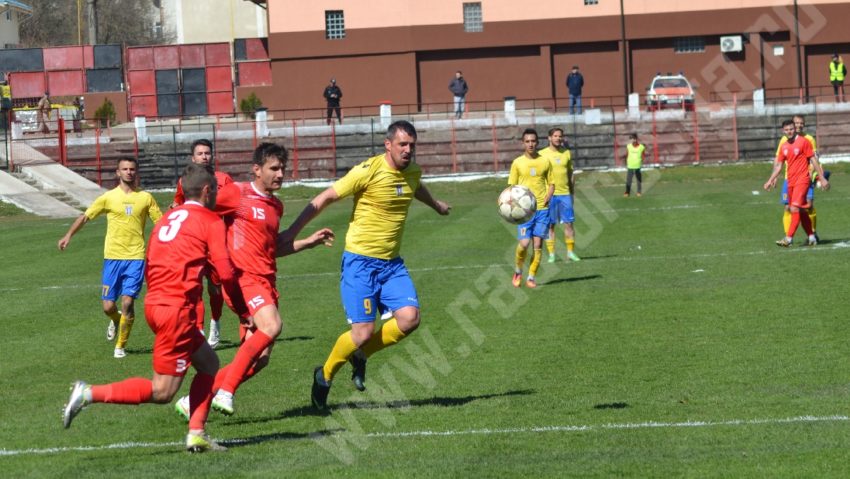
(527, 430)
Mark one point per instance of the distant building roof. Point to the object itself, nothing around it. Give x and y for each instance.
(16, 4)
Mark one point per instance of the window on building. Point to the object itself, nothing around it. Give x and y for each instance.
(472, 18)
(689, 44)
(334, 24)
(591, 2)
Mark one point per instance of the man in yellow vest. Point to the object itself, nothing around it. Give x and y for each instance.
(635, 152)
(5, 101)
(837, 72)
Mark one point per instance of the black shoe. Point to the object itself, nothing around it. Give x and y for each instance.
(319, 394)
(358, 375)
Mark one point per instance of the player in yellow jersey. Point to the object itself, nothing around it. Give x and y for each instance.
(800, 126)
(374, 279)
(561, 206)
(534, 172)
(126, 208)
(635, 152)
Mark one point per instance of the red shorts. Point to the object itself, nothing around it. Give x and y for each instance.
(259, 291)
(797, 194)
(177, 338)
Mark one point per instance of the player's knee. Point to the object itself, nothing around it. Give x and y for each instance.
(162, 395)
(408, 321)
(360, 335)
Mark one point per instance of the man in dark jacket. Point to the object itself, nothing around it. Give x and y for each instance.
(458, 87)
(332, 96)
(574, 84)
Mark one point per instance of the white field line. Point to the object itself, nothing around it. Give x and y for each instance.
(461, 432)
(636, 257)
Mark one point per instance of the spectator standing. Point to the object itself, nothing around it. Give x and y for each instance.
(332, 95)
(575, 82)
(837, 72)
(459, 87)
(43, 114)
(635, 152)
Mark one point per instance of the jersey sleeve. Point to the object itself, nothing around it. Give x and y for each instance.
(353, 181)
(513, 178)
(808, 151)
(179, 198)
(813, 142)
(782, 141)
(97, 207)
(227, 199)
(153, 210)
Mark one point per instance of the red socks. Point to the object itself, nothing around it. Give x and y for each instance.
(200, 397)
(128, 391)
(230, 376)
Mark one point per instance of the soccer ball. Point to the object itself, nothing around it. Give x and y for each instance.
(517, 204)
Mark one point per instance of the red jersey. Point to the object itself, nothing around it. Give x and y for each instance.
(221, 178)
(252, 218)
(796, 155)
(180, 246)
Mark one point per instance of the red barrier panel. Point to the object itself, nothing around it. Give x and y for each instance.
(217, 54)
(255, 49)
(220, 103)
(143, 106)
(219, 79)
(255, 73)
(68, 58)
(140, 58)
(166, 57)
(27, 84)
(66, 83)
(142, 82)
(192, 56)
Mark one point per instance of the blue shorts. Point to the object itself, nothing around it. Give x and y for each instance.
(371, 286)
(810, 195)
(561, 209)
(538, 226)
(122, 277)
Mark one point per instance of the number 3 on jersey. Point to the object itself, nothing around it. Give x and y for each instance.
(175, 220)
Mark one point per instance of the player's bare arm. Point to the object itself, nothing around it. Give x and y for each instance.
(286, 246)
(549, 194)
(771, 182)
(313, 208)
(75, 226)
(422, 194)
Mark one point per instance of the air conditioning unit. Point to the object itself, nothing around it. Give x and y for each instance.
(731, 43)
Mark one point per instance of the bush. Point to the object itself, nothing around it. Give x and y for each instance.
(250, 104)
(106, 112)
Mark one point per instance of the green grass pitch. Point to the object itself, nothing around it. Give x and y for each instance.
(685, 343)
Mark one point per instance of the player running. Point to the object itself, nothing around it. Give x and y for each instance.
(535, 172)
(561, 205)
(374, 278)
(252, 214)
(181, 246)
(202, 155)
(797, 154)
(126, 208)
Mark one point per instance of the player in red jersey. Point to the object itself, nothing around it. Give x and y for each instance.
(797, 152)
(189, 238)
(202, 154)
(252, 213)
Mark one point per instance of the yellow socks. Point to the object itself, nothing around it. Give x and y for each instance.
(813, 214)
(535, 262)
(550, 246)
(571, 244)
(115, 317)
(388, 335)
(521, 253)
(124, 328)
(786, 221)
(342, 350)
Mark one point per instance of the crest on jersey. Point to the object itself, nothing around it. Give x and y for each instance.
(796, 151)
(533, 172)
(128, 209)
(399, 190)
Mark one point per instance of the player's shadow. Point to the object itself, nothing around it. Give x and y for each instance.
(278, 436)
(611, 405)
(601, 256)
(400, 404)
(572, 280)
(225, 344)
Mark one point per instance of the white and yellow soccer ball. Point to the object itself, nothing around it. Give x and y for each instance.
(517, 204)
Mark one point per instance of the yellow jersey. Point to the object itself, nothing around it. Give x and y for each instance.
(807, 136)
(535, 174)
(125, 221)
(634, 160)
(562, 168)
(5, 91)
(382, 197)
